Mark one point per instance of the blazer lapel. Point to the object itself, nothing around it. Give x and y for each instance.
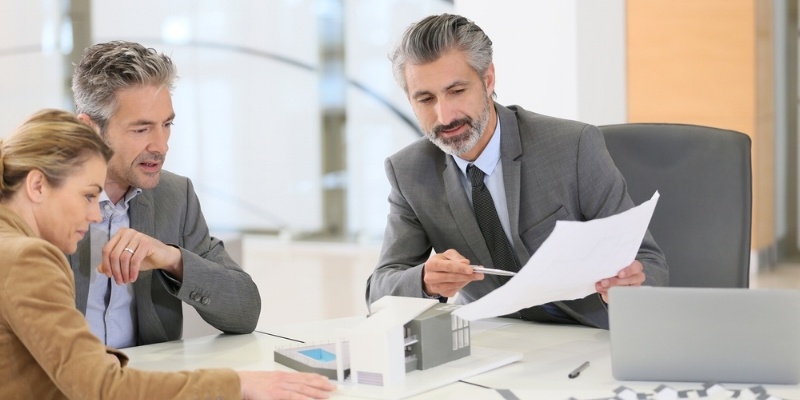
(462, 212)
(80, 262)
(142, 217)
(511, 156)
(142, 213)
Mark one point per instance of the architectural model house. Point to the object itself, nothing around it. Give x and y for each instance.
(438, 337)
(321, 359)
(402, 334)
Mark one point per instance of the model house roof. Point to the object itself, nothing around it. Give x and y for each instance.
(391, 312)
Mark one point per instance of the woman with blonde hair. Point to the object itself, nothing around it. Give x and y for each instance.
(53, 169)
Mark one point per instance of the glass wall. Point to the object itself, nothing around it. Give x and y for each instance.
(379, 118)
(32, 64)
(255, 81)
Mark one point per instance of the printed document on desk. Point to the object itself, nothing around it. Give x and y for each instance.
(571, 260)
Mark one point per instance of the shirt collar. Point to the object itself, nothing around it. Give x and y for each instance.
(129, 195)
(488, 158)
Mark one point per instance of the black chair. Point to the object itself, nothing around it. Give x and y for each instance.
(703, 217)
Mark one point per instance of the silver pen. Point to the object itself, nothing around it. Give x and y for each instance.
(492, 271)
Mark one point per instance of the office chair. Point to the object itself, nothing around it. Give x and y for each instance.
(703, 216)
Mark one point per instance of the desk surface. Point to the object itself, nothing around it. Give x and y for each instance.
(550, 352)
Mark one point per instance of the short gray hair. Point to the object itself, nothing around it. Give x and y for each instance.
(107, 68)
(427, 40)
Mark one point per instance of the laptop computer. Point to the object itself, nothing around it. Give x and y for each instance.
(705, 334)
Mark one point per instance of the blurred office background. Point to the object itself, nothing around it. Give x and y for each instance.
(286, 109)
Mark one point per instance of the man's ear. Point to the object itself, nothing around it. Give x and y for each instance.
(488, 79)
(36, 186)
(86, 119)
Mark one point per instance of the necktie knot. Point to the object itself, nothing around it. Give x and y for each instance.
(475, 176)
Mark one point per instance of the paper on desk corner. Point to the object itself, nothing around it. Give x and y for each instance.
(567, 265)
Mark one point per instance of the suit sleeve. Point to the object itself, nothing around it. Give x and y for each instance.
(222, 293)
(406, 247)
(37, 305)
(602, 193)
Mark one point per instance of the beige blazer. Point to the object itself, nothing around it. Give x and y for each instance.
(47, 349)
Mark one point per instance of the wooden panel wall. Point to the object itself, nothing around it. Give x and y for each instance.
(708, 62)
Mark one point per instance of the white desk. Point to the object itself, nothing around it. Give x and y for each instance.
(550, 353)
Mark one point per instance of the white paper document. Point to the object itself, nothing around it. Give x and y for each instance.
(571, 260)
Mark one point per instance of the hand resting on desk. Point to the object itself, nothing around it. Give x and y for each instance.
(283, 385)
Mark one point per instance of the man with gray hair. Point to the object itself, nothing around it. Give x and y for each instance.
(153, 249)
(490, 182)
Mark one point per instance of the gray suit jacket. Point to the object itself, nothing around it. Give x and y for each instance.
(223, 294)
(553, 169)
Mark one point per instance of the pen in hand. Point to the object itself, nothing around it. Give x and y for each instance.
(492, 271)
(577, 371)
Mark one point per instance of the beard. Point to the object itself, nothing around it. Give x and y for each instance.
(460, 144)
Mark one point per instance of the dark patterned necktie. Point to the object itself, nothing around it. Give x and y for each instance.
(497, 242)
(489, 222)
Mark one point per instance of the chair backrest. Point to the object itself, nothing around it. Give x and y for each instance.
(703, 217)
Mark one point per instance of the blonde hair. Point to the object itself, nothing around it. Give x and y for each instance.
(51, 141)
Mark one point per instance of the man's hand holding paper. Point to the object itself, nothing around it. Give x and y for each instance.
(632, 275)
(577, 259)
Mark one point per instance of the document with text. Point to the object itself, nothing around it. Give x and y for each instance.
(575, 256)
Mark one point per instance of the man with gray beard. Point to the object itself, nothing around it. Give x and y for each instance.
(489, 183)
